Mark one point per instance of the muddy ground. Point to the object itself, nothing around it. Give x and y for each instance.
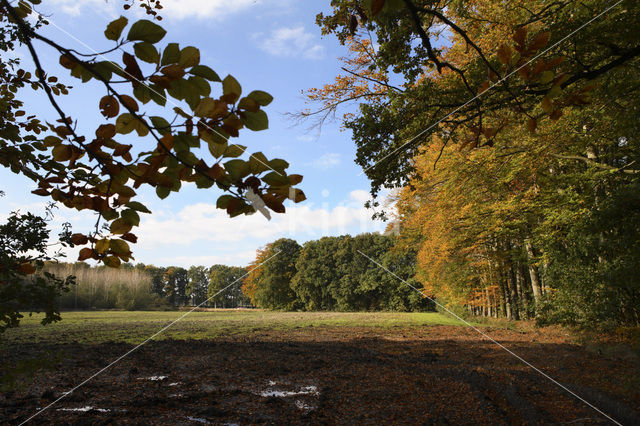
(324, 375)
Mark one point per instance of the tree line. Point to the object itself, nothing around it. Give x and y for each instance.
(335, 274)
(143, 286)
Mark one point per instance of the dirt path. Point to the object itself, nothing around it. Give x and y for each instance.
(426, 375)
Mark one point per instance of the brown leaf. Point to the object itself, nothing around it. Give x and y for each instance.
(85, 253)
(504, 54)
(26, 269)
(520, 37)
(109, 106)
(532, 124)
(132, 69)
(376, 6)
(79, 239)
(129, 103)
(539, 41)
(174, 72)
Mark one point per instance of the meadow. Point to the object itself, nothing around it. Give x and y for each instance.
(96, 327)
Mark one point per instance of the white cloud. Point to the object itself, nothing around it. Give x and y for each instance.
(290, 42)
(327, 161)
(240, 258)
(305, 138)
(203, 223)
(75, 7)
(360, 195)
(216, 9)
(172, 9)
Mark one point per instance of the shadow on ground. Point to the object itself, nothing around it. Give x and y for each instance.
(431, 375)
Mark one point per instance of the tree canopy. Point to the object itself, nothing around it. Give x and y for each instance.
(512, 130)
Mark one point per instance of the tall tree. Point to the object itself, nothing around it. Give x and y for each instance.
(224, 286)
(198, 283)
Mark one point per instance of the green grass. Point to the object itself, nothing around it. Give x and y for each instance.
(134, 327)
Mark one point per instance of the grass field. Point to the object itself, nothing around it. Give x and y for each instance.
(96, 327)
(261, 367)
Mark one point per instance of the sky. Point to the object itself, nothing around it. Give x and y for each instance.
(270, 45)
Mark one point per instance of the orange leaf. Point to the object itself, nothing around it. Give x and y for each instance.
(26, 269)
(85, 254)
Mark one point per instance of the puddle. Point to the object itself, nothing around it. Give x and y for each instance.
(174, 384)
(307, 390)
(302, 406)
(85, 409)
(154, 378)
(198, 420)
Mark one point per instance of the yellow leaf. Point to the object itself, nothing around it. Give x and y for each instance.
(102, 246)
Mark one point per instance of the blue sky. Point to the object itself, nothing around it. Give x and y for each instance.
(271, 45)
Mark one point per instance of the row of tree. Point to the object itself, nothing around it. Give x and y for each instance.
(149, 287)
(335, 273)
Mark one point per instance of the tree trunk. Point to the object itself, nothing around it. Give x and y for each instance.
(522, 293)
(506, 304)
(513, 294)
(536, 285)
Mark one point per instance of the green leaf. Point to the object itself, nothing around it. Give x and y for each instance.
(120, 247)
(258, 163)
(183, 89)
(146, 52)
(231, 88)
(546, 77)
(111, 261)
(162, 192)
(142, 93)
(234, 150)
(158, 94)
(114, 29)
(217, 148)
(161, 124)
(145, 30)
(256, 121)
(237, 169)
(262, 98)
(278, 164)
(126, 123)
(120, 226)
(171, 54)
(224, 201)
(189, 57)
(249, 104)
(135, 205)
(131, 217)
(204, 72)
(102, 246)
(275, 179)
(189, 140)
(203, 86)
(203, 182)
(103, 69)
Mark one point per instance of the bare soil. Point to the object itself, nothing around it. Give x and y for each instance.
(331, 375)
